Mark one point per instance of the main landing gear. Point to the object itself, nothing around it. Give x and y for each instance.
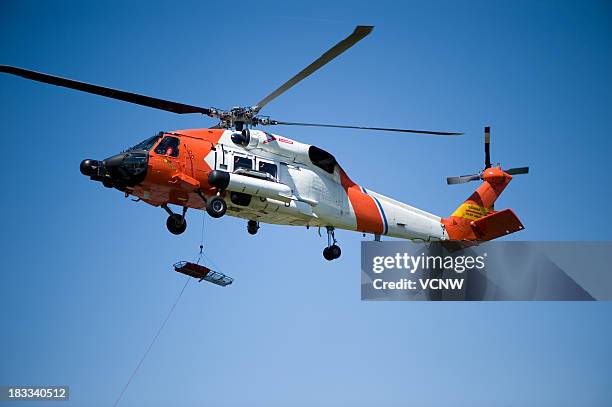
(176, 222)
(252, 227)
(332, 251)
(215, 206)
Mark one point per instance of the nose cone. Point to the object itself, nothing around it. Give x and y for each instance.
(116, 161)
(122, 170)
(89, 167)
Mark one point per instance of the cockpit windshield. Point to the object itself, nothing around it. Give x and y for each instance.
(147, 144)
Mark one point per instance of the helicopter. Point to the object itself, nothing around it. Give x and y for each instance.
(236, 169)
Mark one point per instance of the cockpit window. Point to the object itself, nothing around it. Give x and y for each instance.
(147, 144)
(168, 146)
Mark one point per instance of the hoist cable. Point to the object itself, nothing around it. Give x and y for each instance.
(146, 353)
(144, 356)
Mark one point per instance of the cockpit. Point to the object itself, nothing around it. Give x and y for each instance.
(147, 144)
(168, 146)
(128, 168)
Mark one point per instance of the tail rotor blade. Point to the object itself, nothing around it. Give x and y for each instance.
(462, 179)
(487, 140)
(518, 170)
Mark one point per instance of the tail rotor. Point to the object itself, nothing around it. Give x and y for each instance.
(462, 179)
(476, 218)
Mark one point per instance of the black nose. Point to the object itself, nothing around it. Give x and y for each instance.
(90, 167)
(120, 171)
(115, 162)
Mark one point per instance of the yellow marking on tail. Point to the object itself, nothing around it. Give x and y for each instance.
(470, 211)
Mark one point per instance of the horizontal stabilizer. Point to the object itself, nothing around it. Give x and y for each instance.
(496, 225)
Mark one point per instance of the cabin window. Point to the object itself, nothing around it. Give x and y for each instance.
(242, 162)
(269, 168)
(168, 146)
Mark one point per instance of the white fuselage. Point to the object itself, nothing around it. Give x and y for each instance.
(292, 183)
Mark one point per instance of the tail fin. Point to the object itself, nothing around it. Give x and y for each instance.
(475, 219)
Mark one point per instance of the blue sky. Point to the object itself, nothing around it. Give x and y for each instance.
(86, 277)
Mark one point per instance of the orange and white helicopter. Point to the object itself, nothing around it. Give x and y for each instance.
(262, 177)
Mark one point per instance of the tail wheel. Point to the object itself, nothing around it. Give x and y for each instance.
(332, 252)
(216, 207)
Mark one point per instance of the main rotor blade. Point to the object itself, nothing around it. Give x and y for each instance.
(436, 133)
(359, 33)
(106, 92)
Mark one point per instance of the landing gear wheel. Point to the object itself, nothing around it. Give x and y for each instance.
(176, 224)
(335, 251)
(332, 252)
(327, 254)
(216, 207)
(252, 227)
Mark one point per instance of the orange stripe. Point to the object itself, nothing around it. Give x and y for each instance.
(367, 214)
